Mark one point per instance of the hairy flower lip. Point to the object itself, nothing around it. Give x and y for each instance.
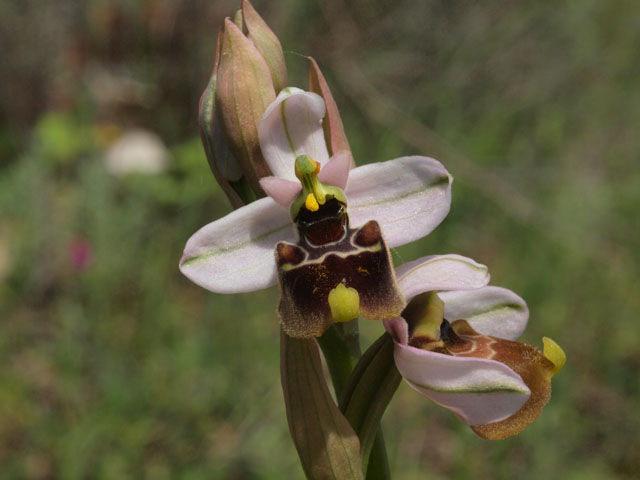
(309, 272)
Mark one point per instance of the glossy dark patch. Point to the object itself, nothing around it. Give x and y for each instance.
(368, 235)
(287, 253)
(325, 225)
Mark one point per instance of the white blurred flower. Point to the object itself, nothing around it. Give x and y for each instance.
(137, 151)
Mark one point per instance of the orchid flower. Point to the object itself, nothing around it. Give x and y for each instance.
(406, 197)
(457, 347)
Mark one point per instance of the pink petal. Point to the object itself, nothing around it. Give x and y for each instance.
(336, 171)
(408, 196)
(441, 272)
(283, 191)
(476, 390)
(493, 311)
(398, 329)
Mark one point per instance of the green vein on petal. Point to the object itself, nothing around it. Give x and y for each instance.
(223, 250)
(479, 390)
(444, 180)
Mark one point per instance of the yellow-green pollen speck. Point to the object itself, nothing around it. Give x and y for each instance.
(554, 354)
(344, 303)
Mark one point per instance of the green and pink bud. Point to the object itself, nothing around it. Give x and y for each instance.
(248, 72)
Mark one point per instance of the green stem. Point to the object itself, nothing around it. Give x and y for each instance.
(378, 468)
(366, 396)
(340, 345)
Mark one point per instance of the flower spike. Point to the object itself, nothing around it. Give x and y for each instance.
(454, 342)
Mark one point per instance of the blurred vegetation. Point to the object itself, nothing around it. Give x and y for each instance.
(115, 366)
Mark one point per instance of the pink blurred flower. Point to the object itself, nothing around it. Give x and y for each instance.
(80, 254)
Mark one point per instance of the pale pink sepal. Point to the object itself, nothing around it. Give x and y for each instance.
(441, 272)
(398, 329)
(236, 253)
(478, 391)
(283, 191)
(408, 196)
(292, 126)
(336, 171)
(493, 311)
(334, 129)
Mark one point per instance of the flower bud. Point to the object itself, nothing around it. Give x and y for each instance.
(222, 162)
(267, 44)
(248, 72)
(244, 90)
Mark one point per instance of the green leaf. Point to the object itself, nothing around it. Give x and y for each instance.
(372, 384)
(327, 445)
(340, 345)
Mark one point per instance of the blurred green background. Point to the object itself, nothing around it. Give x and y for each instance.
(114, 366)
